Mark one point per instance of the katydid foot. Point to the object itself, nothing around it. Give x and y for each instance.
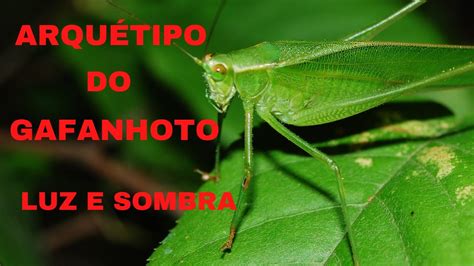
(205, 176)
(230, 240)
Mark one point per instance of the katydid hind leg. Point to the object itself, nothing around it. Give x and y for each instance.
(318, 155)
(372, 31)
(248, 172)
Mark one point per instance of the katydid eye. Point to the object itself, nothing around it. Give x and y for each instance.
(219, 68)
(219, 71)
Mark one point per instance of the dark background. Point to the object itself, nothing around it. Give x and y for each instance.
(49, 83)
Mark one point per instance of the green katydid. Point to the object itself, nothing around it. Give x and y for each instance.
(309, 83)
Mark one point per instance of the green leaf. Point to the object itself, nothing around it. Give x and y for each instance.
(410, 203)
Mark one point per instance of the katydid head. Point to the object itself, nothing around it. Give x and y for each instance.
(219, 75)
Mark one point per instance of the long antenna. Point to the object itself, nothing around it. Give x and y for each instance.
(214, 23)
(130, 14)
(133, 16)
(196, 60)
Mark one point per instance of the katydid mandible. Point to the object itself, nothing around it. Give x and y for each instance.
(309, 83)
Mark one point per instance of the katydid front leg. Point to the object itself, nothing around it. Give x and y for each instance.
(215, 174)
(217, 160)
(318, 155)
(248, 164)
